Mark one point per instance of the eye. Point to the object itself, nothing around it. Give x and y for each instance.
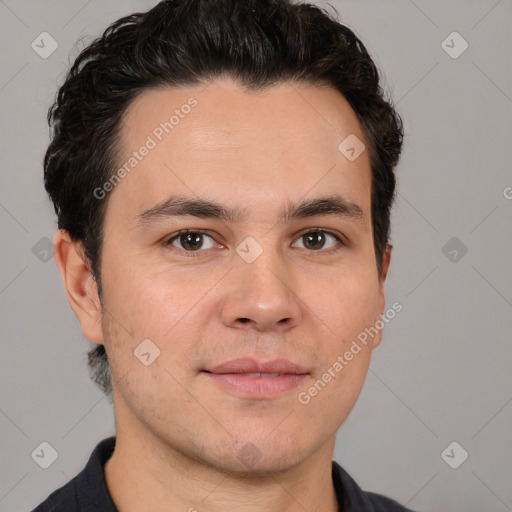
(190, 241)
(194, 241)
(316, 239)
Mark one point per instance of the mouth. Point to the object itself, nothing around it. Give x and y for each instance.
(252, 379)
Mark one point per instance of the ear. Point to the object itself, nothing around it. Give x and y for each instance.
(79, 284)
(386, 259)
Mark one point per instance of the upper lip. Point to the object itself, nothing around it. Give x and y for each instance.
(248, 365)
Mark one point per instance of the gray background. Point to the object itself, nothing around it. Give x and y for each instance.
(442, 372)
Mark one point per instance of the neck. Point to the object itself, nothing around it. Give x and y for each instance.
(145, 473)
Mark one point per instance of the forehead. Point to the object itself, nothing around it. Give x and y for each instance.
(216, 112)
(240, 148)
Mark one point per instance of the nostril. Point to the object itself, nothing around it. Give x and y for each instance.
(244, 320)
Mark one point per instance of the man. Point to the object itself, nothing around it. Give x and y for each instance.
(223, 174)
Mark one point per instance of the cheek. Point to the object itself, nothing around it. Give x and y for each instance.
(148, 300)
(347, 307)
(347, 304)
(346, 350)
(170, 308)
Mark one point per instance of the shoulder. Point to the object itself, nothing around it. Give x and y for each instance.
(61, 499)
(354, 499)
(384, 504)
(87, 491)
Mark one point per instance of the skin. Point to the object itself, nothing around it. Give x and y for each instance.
(178, 433)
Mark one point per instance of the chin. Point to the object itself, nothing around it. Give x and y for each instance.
(258, 457)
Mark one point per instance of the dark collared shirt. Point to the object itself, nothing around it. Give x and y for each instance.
(88, 491)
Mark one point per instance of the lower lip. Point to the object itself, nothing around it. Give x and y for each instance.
(257, 387)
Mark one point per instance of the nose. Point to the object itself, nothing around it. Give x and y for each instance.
(260, 295)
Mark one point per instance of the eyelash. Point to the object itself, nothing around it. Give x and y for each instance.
(193, 254)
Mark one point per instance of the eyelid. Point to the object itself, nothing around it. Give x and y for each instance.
(335, 234)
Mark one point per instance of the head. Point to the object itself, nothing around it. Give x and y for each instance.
(229, 118)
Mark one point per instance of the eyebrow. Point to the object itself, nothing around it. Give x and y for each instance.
(177, 206)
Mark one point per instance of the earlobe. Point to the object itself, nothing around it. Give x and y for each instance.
(79, 284)
(386, 260)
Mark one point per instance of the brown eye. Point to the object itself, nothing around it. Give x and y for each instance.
(191, 241)
(316, 240)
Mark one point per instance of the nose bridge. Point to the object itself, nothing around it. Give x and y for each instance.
(262, 292)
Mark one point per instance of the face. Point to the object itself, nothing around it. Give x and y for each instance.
(278, 265)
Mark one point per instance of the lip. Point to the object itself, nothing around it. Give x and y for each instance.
(248, 365)
(243, 377)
